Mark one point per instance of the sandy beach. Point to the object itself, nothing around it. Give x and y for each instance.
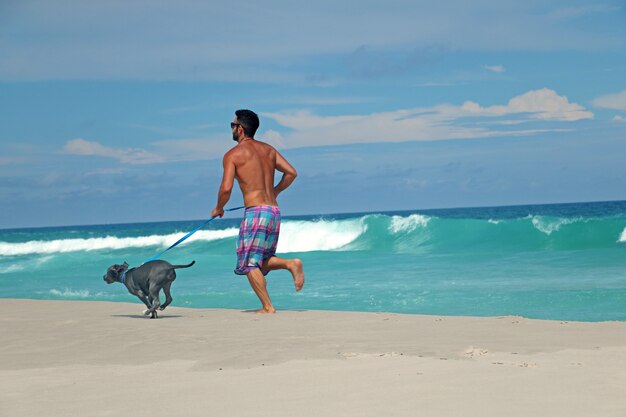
(66, 358)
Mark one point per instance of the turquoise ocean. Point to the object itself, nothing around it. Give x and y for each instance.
(560, 261)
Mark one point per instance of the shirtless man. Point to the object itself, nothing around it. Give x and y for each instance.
(253, 163)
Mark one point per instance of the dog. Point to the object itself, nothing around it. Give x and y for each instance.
(146, 281)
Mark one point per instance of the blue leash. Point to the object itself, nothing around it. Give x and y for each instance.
(181, 240)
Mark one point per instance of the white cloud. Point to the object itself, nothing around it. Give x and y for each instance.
(542, 104)
(128, 156)
(274, 138)
(303, 119)
(498, 69)
(426, 124)
(304, 128)
(615, 101)
(175, 150)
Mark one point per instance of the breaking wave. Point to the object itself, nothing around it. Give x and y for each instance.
(108, 242)
(412, 233)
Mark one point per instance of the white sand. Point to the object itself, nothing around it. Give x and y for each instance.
(62, 358)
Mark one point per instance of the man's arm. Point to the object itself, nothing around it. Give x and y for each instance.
(289, 174)
(226, 187)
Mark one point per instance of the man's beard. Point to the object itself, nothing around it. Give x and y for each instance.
(236, 136)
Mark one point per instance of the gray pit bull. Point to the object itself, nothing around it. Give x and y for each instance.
(146, 282)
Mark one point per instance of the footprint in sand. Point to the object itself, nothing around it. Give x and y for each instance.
(473, 352)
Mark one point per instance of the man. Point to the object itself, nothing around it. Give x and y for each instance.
(253, 163)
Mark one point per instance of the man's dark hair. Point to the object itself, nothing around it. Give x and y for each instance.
(248, 120)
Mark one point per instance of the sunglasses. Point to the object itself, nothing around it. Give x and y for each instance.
(233, 124)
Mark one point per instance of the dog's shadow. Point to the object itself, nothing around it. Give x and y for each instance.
(143, 317)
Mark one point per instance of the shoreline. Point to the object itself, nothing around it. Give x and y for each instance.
(140, 306)
(61, 358)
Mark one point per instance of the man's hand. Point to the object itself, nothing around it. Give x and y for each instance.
(217, 212)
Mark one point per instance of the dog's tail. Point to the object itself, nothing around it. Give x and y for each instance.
(183, 266)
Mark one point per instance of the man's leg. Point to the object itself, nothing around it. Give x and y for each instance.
(292, 265)
(259, 285)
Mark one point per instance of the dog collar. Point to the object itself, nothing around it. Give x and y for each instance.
(123, 277)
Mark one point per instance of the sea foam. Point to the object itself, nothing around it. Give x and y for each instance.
(295, 236)
(70, 293)
(108, 242)
(407, 224)
(307, 236)
(550, 225)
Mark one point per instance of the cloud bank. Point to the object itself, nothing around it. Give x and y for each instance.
(165, 151)
(127, 156)
(440, 122)
(544, 104)
(302, 128)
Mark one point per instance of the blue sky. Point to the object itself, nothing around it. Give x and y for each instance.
(119, 111)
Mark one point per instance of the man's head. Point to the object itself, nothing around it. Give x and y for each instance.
(249, 122)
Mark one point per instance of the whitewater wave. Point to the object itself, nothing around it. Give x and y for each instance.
(414, 233)
(549, 225)
(70, 293)
(108, 242)
(401, 224)
(295, 236)
(321, 235)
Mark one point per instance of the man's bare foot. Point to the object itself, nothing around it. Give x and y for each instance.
(296, 269)
(266, 311)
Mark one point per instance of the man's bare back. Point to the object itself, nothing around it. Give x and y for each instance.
(253, 163)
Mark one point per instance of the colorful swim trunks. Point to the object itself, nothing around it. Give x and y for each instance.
(258, 237)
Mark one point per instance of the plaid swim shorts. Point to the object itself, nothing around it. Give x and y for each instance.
(258, 237)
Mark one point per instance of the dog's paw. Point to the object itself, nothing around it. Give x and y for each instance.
(147, 312)
(161, 308)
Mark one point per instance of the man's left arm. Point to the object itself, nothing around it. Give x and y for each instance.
(289, 174)
(226, 187)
